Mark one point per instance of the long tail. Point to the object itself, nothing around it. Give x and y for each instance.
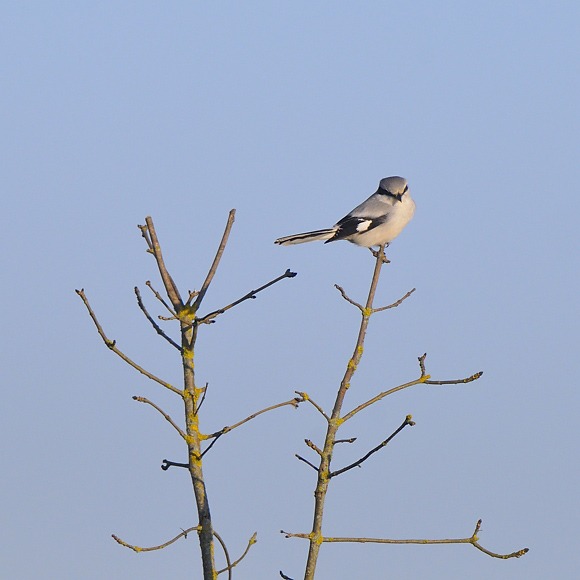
(306, 237)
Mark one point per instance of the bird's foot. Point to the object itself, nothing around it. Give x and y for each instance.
(380, 254)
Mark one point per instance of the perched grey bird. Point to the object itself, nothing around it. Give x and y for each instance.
(375, 222)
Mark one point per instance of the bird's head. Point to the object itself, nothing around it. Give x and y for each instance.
(394, 186)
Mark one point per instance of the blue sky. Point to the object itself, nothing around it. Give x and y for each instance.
(291, 113)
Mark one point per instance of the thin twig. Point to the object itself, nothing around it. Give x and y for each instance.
(157, 328)
(284, 577)
(351, 440)
(153, 548)
(229, 566)
(251, 542)
(473, 540)
(147, 238)
(251, 294)
(202, 399)
(306, 397)
(210, 445)
(423, 379)
(165, 415)
(170, 286)
(111, 345)
(426, 377)
(313, 446)
(358, 463)
(162, 300)
(294, 402)
(396, 303)
(307, 462)
(421, 360)
(380, 396)
(215, 263)
(166, 464)
(347, 298)
(456, 381)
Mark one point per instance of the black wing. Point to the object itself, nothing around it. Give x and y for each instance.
(350, 225)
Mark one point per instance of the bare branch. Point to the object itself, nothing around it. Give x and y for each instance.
(196, 411)
(423, 379)
(153, 548)
(294, 402)
(473, 540)
(210, 445)
(201, 294)
(456, 381)
(147, 238)
(160, 298)
(373, 310)
(251, 542)
(251, 294)
(351, 440)
(313, 446)
(334, 421)
(307, 462)
(407, 421)
(293, 535)
(111, 345)
(380, 396)
(284, 577)
(421, 360)
(306, 397)
(157, 328)
(170, 286)
(395, 304)
(228, 568)
(347, 298)
(165, 415)
(426, 377)
(166, 464)
(184, 534)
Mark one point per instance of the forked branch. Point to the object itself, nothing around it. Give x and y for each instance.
(473, 540)
(373, 310)
(308, 398)
(423, 379)
(184, 533)
(192, 395)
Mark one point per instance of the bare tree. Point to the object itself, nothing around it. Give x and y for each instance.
(337, 418)
(185, 313)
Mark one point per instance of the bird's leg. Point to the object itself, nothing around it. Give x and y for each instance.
(380, 253)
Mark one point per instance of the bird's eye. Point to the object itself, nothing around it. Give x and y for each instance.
(406, 189)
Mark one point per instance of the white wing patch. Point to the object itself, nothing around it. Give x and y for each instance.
(363, 226)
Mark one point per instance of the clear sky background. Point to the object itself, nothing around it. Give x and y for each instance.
(291, 112)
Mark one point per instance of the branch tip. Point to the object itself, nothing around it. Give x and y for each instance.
(209, 318)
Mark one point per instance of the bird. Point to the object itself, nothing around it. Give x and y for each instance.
(377, 221)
